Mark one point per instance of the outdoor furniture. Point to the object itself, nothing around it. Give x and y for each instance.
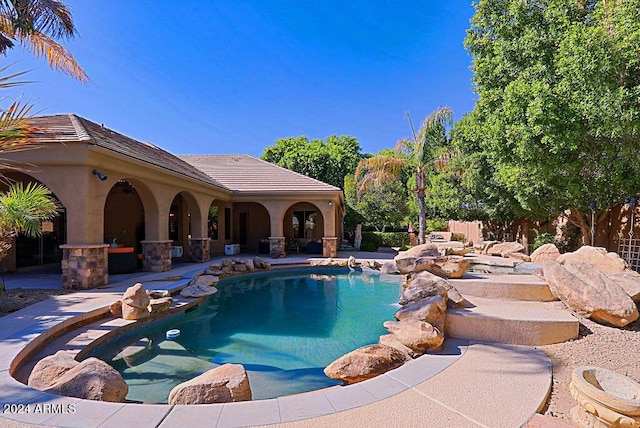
(231, 249)
(122, 260)
(291, 244)
(314, 247)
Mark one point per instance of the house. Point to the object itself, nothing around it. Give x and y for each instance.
(115, 191)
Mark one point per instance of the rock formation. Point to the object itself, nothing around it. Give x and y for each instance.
(364, 363)
(590, 292)
(135, 303)
(544, 253)
(49, 369)
(224, 384)
(603, 261)
(504, 248)
(419, 336)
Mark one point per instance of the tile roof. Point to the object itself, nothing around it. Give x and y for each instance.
(245, 173)
(70, 128)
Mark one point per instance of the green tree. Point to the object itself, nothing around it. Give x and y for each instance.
(558, 107)
(36, 25)
(22, 209)
(329, 160)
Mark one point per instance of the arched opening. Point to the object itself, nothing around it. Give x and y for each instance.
(36, 251)
(124, 224)
(303, 226)
(183, 208)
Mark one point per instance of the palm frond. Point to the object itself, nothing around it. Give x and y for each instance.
(378, 170)
(56, 55)
(24, 208)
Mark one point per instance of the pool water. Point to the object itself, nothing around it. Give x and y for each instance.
(283, 327)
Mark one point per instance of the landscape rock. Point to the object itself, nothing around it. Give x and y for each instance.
(260, 263)
(485, 246)
(420, 285)
(135, 303)
(116, 308)
(227, 263)
(451, 267)
(162, 304)
(518, 256)
(389, 268)
(240, 267)
(157, 294)
(629, 280)
(545, 252)
(49, 369)
(590, 292)
(414, 258)
(504, 248)
(392, 341)
(365, 363)
(225, 384)
(372, 264)
(214, 272)
(215, 267)
(92, 379)
(602, 260)
(249, 264)
(227, 269)
(207, 280)
(198, 291)
(431, 310)
(416, 335)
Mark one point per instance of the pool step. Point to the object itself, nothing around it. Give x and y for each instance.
(512, 322)
(529, 288)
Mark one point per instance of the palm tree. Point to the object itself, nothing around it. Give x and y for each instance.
(35, 25)
(417, 153)
(22, 209)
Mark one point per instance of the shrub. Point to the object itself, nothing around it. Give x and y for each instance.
(393, 239)
(457, 237)
(436, 225)
(544, 238)
(370, 241)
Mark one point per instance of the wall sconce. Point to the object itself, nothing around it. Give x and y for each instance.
(330, 203)
(100, 175)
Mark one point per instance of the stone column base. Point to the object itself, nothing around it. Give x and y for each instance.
(329, 246)
(84, 266)
(276, 247)
(156, 256)
(200, 249)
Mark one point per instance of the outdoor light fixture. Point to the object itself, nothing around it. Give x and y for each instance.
(100, 175)
(330, 203)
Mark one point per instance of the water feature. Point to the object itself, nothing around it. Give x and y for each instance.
(284, 327)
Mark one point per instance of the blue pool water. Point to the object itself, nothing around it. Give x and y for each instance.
(283, 327)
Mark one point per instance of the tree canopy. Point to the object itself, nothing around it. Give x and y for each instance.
(328, 160)
(555, 125)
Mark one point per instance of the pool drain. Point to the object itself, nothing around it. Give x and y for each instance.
(173, 334)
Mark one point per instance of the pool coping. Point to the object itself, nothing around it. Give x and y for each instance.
(30, 325)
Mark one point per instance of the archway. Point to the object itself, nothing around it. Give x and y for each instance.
(303, 226)
(184, 212)
(36, 251)
(251, 227)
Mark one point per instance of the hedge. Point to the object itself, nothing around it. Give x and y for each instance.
(370, 241)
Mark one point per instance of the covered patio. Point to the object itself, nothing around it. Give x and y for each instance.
(129, 205)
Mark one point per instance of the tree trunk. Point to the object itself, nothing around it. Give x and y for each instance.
(421, 214)
(583, 221)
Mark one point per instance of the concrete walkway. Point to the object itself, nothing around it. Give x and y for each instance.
(469, 384)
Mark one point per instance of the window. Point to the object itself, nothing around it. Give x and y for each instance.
(227, 223)
(305, 224)
(212, 223)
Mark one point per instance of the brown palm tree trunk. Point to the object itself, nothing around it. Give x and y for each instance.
(421, 214)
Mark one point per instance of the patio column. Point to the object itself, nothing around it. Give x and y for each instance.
(156, 256)
(84, 266)
(200, 249)
(329, 246)
(276, 247)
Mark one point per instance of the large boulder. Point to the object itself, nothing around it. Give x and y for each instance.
(92, 379)
(426, 280)
(602, 260)
(629, 280)
(544, 253)
(223, 384)
(518, 256)
(207, 280)
(504, 248)
(49, 369)
(192, 291)
(392, 341)
(135, 303)
(451, 267)
(416, 335)
(421, 288)
(431, 310)
(389, 268)
(161, 304)
(413, 259)
(590, 292)
(364, 363)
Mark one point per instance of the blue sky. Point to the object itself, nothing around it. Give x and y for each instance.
(196, 77)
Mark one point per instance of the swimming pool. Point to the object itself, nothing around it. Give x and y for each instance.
(284, 327)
